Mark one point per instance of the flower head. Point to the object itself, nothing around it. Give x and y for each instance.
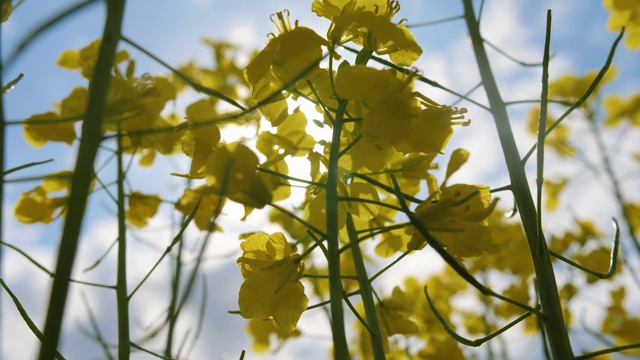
(271, 286)
(457, 219)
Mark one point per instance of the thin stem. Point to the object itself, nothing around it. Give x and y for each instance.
(435, 22)
(124, 350)
(549, 298)
(43, 268)
(463, 340)
(40, 30)
(448, 258)
(82, 176)
(617, 189)
(585, 96)
(503, 53)
(23, 313)
(193, 84)
(542, 124)
(2, 158)
(613, 258)
(175, 289)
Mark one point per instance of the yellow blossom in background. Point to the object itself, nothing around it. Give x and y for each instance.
(625, 13)
(36, 205)
(232, 169)
(57, 125)
(596, 260)
(141, 208)
(201, 139)
(261, 330)
(619, 109)
(624, 326)
(85, 59)
(271, 286)
(40, 128)
(6, 8)
(211, 204)
(571, 87)
(633, 210)
(395, 314)
(552, 191)
(558, 139)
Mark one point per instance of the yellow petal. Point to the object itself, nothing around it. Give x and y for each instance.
(40, 128)
(141, 208)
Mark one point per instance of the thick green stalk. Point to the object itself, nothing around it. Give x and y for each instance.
(365, 292)
(552, 318)
(122, 299)
(340, 348)
(82, 176)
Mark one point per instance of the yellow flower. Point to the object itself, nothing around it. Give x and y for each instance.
(271, 286)
(85, 59)
(369, 24)
(386, 104)
(200, 140)
(625, 13)
(40, 128)
(572, 87)
(261, 330)
(141, 208)
(293, 55)
(209, 205)
(558, 139)
(35, 205)
(619, 109)
(395, 314)
(552, 191)
(232, 169)
(457, 219)
(633, 209)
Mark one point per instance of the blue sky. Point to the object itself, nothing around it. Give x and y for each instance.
(173, 30)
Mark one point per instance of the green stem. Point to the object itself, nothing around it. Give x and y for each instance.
(340, 348)
(82, 175)
(2, 152)
(365, 293)
(549, 299)
(121, 283)
(175, 293)
(25, 317)
(617, 189)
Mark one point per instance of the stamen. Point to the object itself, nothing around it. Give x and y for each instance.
(283, 25)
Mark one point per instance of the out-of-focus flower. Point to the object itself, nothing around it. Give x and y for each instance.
(619, 109)
(625, 13)
(141, 208)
